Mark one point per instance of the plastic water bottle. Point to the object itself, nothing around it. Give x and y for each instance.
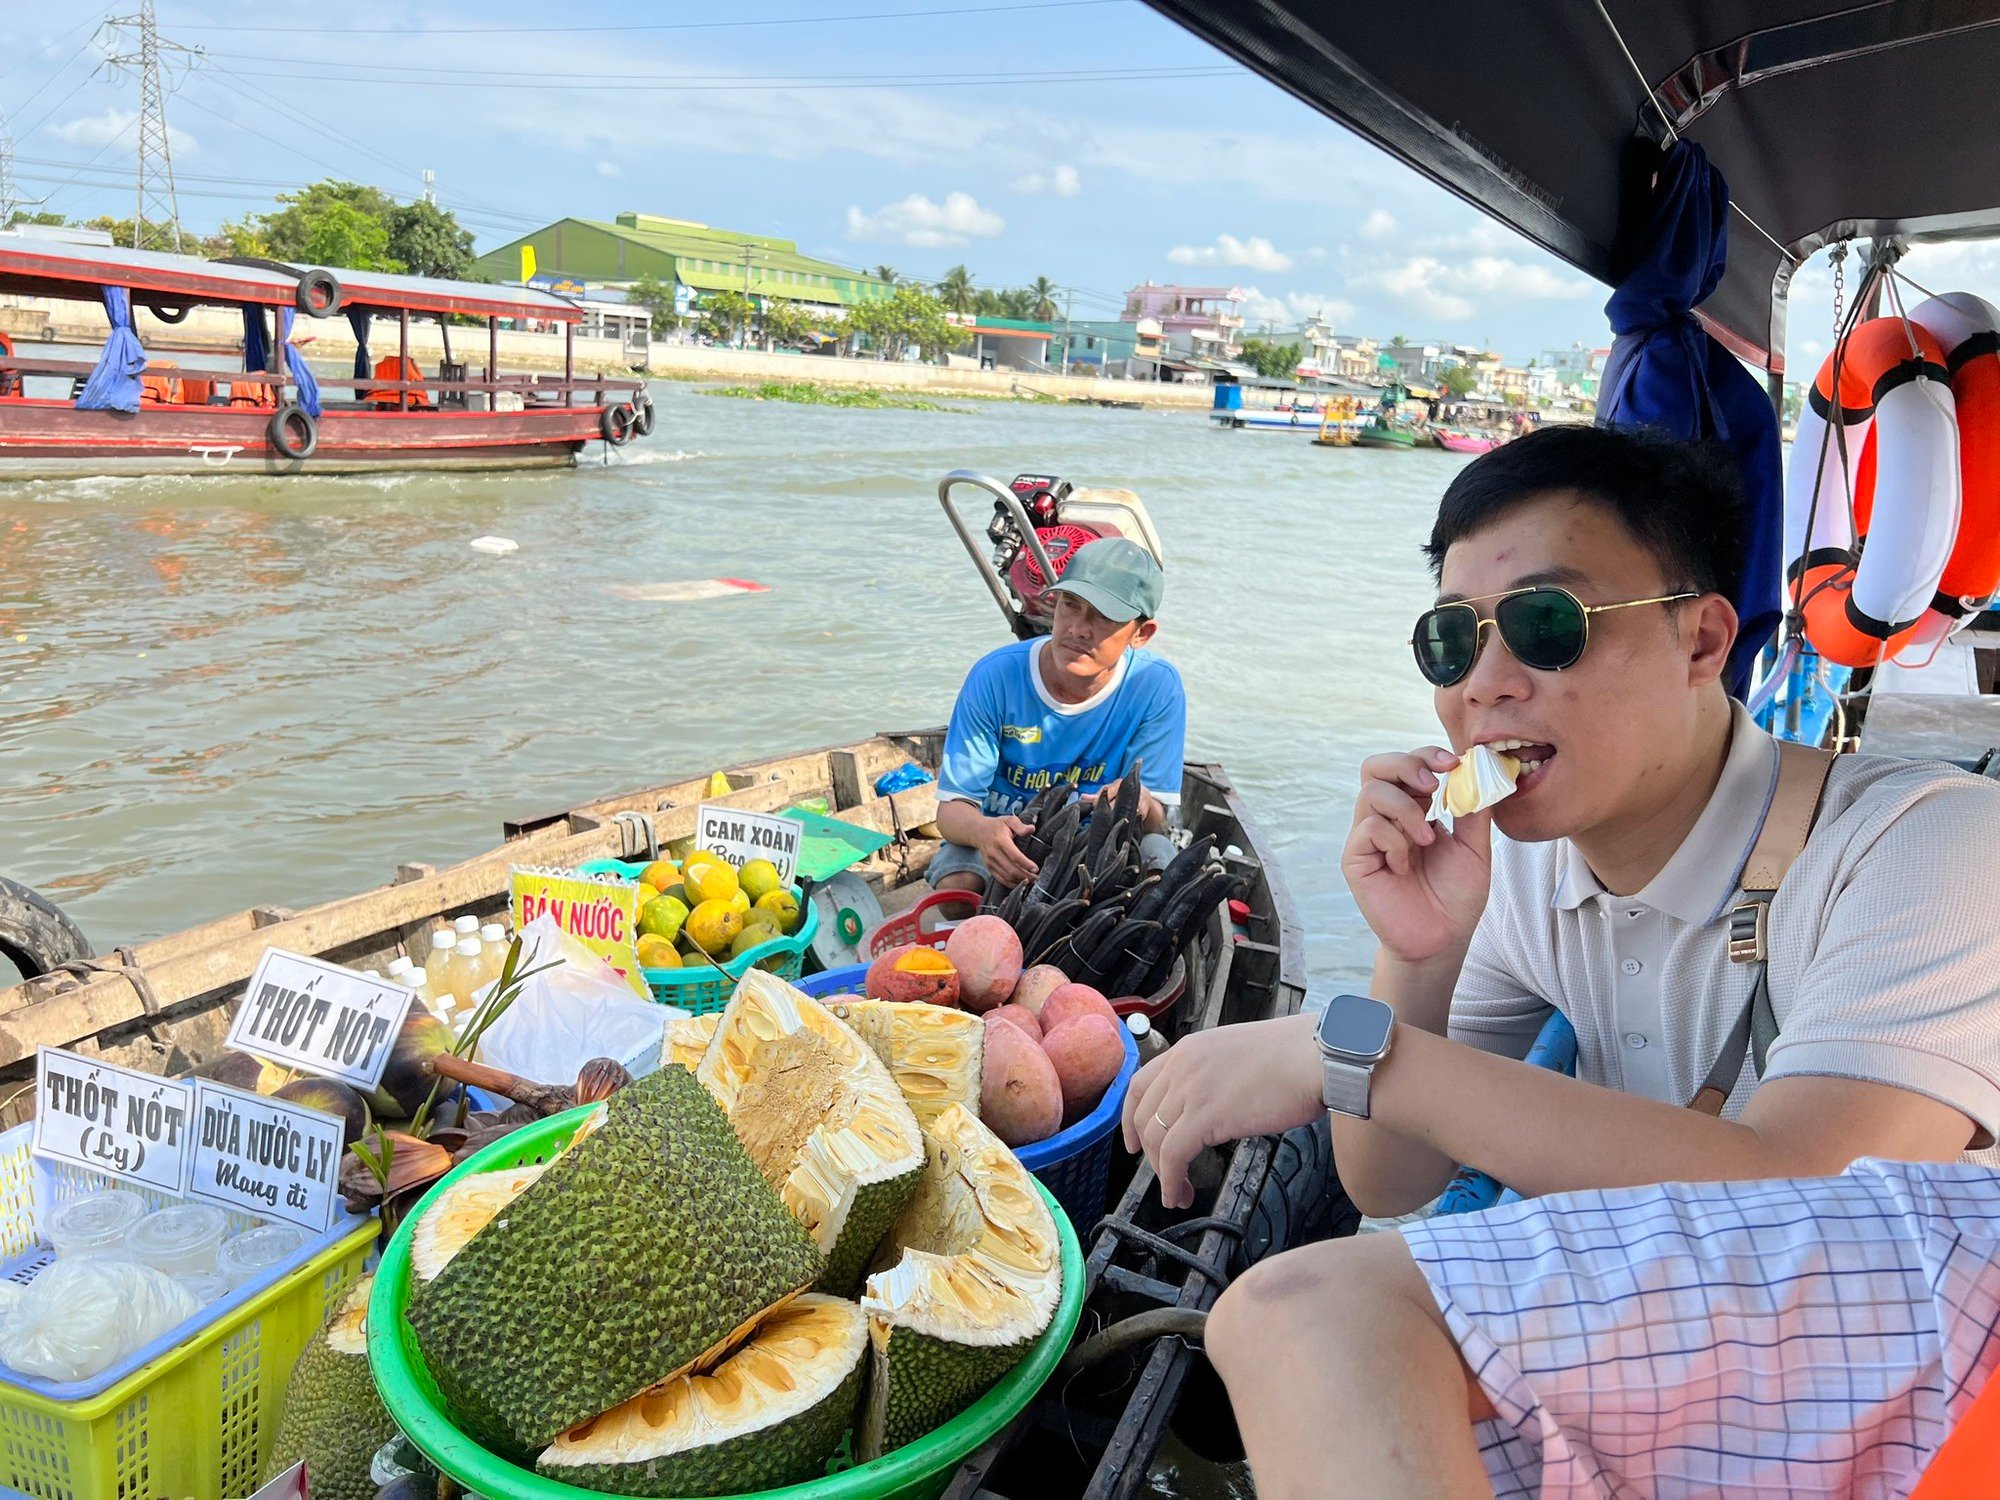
(398, 967)
(464, 973)
(493, 945)
(1149, 1042)
(442, 942)
(466, 925)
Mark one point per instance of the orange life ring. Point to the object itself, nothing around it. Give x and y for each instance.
(1864, 574)
(1968, 329)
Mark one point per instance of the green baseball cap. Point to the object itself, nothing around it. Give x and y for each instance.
(1116, 577)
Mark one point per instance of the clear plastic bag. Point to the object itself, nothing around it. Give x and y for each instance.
(82, 1316)
(569, 1014)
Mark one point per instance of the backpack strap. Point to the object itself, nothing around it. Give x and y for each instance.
(1788, 822)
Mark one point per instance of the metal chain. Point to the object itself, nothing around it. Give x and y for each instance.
(1839, 258)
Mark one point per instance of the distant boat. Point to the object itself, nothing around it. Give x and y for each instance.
(1466, 442)
(1384, 437)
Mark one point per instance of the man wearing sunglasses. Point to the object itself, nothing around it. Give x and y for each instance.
(1583, 626)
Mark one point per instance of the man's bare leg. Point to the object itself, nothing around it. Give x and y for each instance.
(964, 880)
(1343, 1376)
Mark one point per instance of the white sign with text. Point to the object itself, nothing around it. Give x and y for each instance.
(108, 1119)
(308, 1014)
(740, 837)
(266, 1157)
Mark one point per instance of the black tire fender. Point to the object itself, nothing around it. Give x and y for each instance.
(35, 934)
(167, 312)
(292, 431)
(617, 424)
(642, 423)
(319, 293)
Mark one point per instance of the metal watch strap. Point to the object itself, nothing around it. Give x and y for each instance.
(1344, 1085)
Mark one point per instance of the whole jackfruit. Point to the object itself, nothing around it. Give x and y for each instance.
(649, 1246)
(934, 1052)
(973, 1275)
(333, 1418)
(769, 1415)
(821, 1117)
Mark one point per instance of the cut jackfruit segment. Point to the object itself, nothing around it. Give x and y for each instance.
(687, 1038)
(460, 1212)
(932, 1051)
(648, 1247)
(1483, 777)
(819, 1114)
(972, 1277)
(769, 1415)
(333, 1418)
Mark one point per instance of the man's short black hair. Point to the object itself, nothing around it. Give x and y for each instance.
(1679, 500)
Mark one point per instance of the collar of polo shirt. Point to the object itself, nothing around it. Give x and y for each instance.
(1702, 879)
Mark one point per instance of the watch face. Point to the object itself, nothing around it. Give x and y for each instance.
(1356, 1026)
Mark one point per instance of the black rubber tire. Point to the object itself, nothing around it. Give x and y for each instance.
(319, 294)
(35, 933)
(642, 423)
(617, 424)
(166, 312)
(293, 432)
(1301, 1200)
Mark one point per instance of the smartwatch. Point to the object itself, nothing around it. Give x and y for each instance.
(1354, 1035)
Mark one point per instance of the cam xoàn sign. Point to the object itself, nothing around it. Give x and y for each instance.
(103, 1118)
(320, 1018)
(740, 837)
(265, 1157)
(600, 912)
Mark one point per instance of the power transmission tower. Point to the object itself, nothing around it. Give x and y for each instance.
(430, 186)
(140, 34)
(11, 201)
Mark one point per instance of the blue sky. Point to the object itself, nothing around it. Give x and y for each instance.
(1095, 143)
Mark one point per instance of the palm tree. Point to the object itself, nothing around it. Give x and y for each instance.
(956, 289)
(1044, 294)
(888, 274)
(1017, 302)
(1399, 342)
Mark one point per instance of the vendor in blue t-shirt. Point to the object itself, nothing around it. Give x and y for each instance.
(1081, 705)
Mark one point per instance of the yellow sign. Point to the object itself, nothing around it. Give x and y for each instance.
(527, 262)
(599, 911)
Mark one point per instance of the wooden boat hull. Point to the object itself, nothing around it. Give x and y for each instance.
(1453, 442)
(1375, 437)
(52, 439)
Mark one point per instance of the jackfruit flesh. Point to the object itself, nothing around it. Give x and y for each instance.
(687, 1038)
(333, 1418)
(769, 1415)
(821, 1117)
(460, 1212)
(1481, 778)
(972, 1275)
(934, 1052)
(647, 1247)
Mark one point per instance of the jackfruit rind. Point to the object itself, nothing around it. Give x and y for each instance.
(820, 1115)
(333, 1418)
(934, 1052)
(971, 1277)
(770, 1415)
(649, 1246)
(460, 1212)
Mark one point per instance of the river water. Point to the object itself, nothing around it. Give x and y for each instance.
(219, 693)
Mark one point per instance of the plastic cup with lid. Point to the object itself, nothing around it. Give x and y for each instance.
(180, 1239)
(205, 1286)
(246, 1256)
(93, 1225)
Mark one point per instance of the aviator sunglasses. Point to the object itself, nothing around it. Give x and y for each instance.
(1544, 627)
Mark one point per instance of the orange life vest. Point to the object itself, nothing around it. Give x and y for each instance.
(395, 367)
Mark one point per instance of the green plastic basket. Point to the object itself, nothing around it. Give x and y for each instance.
(699, 989)
(916, 1471)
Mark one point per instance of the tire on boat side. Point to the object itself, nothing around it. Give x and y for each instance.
(35, 933)
(617, 424)
(167, 312)
(318, 294)
(1301, 1201)
(642, 420)
(293, 432)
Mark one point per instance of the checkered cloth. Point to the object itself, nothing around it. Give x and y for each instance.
(1778, 1338)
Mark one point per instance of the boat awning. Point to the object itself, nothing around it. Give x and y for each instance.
(1829, 120)
(54, 268)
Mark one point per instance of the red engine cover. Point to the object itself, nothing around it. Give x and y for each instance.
(1060, 542)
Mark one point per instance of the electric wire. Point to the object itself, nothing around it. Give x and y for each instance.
(902, 15)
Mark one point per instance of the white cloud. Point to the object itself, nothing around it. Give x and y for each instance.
(609, 169)
(1447, 291)
(925, 225)
(115, 125)
(1061, 181)
(1379, 225)
(1253, 254)
(1289, 309)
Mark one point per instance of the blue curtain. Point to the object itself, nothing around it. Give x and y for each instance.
(1667, 374)
(114, 384)
(302, 375)
(357, 319)
(255, 355)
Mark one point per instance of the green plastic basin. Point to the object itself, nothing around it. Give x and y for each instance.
(916, 1471)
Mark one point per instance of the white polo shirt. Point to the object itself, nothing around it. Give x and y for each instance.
(1884, 939)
